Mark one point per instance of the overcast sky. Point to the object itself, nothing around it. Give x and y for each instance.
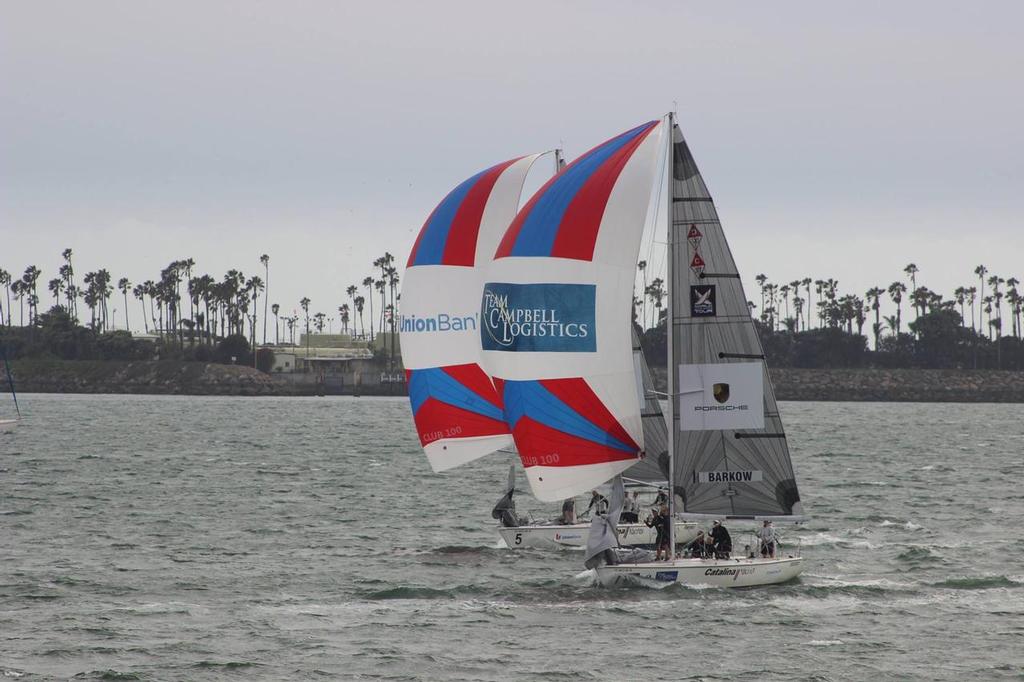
(839, 140)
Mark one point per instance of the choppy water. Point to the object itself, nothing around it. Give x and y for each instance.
(174, 538)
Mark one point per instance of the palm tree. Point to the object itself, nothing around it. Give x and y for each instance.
(892, 323)
(139, 292)
(761, 279)
(806, 281)
(911, 271)
(358, 303)
(123, 284)
(794, 286)
(277, 322)
(988, 310)
(1013, 298)
(960, 296)
(392, 273)
(31, 278)
(656, 292)
(5, 282)
(265, 259)
(385, 262)
(18, 289)
(981, 271)
(304, 304)
(343, 312)
(994, 281)
(319, 323)
(71, 289)
(379, 286)
(873, 296)
(896, 290)
(819, 286)
(352, 291)
(255, 285)
(784, 290)
(642, 267)
(368, 283)
(56, 286)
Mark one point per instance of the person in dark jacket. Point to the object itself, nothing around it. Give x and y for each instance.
(660, 523)
(721, 540)
(598, 503)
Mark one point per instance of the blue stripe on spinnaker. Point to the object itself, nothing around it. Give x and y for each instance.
(435, 233)
(438, 384)
(531, 399)
(537, 235)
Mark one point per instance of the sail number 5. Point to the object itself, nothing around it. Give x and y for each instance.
(541, 460)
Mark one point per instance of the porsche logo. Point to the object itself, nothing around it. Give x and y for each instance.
(721, 392)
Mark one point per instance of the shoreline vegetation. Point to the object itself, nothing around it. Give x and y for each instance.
(200, 336)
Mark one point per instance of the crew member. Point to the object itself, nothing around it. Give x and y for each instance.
(721, 540)
(768, 539)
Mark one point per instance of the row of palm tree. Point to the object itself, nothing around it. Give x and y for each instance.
(794, 306)
(182, 304)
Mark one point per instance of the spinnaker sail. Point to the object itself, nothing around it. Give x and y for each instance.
(457, 412)
(555, 317)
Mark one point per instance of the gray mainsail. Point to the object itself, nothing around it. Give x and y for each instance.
(654, 466)
(728, 461)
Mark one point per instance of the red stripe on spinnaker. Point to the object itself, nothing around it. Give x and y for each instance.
(475, 379)
(577, 233)
(436, 420)
(541, 445)
(575, 393)
(460, 247)
(419, 238)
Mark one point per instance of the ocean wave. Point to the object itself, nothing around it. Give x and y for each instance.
(978, 582)
(227, 665)
(106, 675)
(421, 592)
(909, 525)
(825, 642)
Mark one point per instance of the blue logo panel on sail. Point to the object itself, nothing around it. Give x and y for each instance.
(555, 318)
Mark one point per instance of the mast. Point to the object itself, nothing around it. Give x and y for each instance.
(669, 325)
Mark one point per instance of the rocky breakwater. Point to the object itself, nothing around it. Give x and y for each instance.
(899, 385)
(157, 377)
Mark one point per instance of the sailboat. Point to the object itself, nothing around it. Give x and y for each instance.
(8, 423)
(458, 414)
(555, 334)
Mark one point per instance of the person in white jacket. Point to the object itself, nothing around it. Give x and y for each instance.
(768, 539)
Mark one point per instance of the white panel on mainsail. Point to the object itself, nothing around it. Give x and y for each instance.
(555, 317)
(457, 412)
(743, 471)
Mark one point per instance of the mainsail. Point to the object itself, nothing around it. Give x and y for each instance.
(555, 317)
(731, 458)
(457, 412)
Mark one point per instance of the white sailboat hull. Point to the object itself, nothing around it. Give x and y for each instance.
(703, 572)
(630, 535)
(8, 424)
